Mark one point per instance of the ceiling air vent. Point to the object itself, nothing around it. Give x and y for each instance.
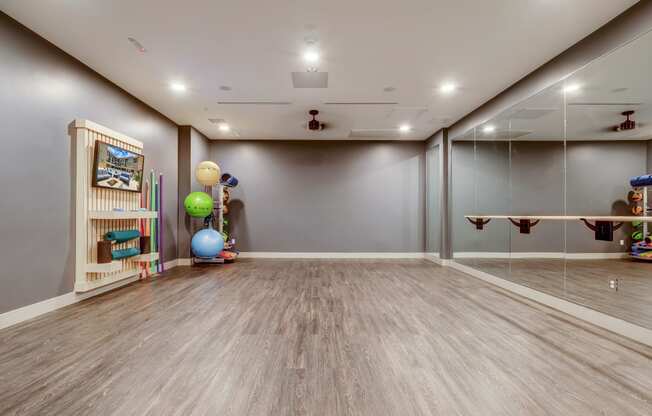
(310, 79)
(531, 113)
(253, 102)
(360, 103)
(374, 133)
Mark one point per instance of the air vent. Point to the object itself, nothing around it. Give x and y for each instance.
(254, 102)
(384, 133)
(310, 79)
(605, 104)
(360, 103)
(216, 120)
(532, 113)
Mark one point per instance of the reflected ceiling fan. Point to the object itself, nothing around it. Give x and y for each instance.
(314, 124)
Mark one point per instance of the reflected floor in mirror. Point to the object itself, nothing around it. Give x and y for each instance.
(585, 282)
(318, 337)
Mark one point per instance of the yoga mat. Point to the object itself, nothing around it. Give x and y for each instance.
(122, 236)
(124, 253)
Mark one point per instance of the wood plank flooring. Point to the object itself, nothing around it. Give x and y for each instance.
(585, 282)
(318, 337)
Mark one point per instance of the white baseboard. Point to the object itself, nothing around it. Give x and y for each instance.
(25, 313)
(618, 326)
(304, 255)
(537, 255)
(184, 262)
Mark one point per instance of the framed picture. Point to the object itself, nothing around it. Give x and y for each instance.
(117, 168)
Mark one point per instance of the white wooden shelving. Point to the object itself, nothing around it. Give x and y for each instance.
(121, 215)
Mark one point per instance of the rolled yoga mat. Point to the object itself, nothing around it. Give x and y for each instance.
(122, 236)
(124, 253)
(643, 180)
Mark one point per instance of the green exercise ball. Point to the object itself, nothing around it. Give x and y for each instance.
(198, 204)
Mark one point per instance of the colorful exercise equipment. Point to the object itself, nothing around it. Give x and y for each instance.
(121, 236)
(229, 180)
(208, 173)
(198, 204)
(207, 243)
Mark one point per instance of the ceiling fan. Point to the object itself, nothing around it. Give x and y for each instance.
(314, 124)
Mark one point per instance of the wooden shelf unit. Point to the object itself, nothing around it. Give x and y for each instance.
(122, 215)
(95, 212)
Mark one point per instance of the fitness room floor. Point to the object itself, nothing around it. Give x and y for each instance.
(318, 337)
(344, 149)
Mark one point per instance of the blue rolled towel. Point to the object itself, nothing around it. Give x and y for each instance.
(124, 253)
(122, 236)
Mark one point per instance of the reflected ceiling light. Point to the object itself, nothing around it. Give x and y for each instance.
(311, 57)
(448, 88)
(177, 87)
(404, 128)
(572, 88)
(224, 128)
(488, 129)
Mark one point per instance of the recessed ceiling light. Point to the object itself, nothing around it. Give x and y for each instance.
(448, 88)
(225, 128)
(488, 129)
(177, 87)
(311, 57)
(572, 88)
(404, 128)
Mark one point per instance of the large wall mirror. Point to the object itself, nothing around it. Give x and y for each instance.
(541, 193)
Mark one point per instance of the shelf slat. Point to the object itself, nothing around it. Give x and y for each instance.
(114, 266)
(145, 258)
(121, 215)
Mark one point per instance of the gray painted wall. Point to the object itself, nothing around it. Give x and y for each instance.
(326, 196)
(194, 147)
(43, 90)
(433, 194)
(597, 183)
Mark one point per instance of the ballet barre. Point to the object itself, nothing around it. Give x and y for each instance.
(603, 226)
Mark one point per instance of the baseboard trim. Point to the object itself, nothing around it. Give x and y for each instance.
(184, 262)
(618, 326)
(34, 310)
(537, 255)
(337, 255)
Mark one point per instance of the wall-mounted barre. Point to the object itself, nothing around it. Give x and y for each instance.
(603, 226)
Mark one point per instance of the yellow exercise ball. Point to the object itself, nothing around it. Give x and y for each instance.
(208, 173)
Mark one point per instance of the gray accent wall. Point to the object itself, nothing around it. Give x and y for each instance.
(314, 196)
(597, 183)
(194, 147)
(42, 90)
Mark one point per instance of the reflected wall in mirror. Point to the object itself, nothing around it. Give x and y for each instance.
(535, 170)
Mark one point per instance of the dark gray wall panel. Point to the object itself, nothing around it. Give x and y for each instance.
(194, 147)
(42, 91)
(326, 196)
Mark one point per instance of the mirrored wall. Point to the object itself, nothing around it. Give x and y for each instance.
(542, 193)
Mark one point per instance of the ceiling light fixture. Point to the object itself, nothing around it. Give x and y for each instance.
(311, 57)
(448, 88)
(224, 128)
(177, 87)
(404, 128)
(572, 88)
(488, 129)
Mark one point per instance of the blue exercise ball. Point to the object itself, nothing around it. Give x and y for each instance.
(207, 243)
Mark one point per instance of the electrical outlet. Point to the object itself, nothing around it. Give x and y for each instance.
(622, 242)
(613, 284)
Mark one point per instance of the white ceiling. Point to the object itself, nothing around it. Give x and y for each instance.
(612, 84)
(366, 45)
